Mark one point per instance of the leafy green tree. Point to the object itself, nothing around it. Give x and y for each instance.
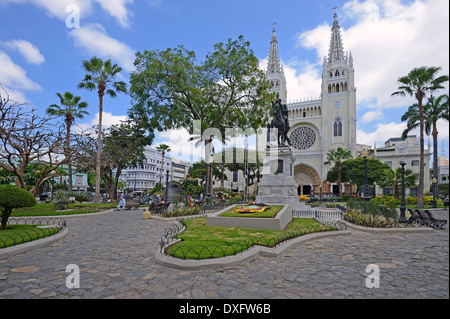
(123, 146)
(171, 90)
(100, 76)
(71, 108)
(434, 110)
(13, 197)
(336, 157)
(163, 148)
(353, 171)
(418, 83)
(392, 178)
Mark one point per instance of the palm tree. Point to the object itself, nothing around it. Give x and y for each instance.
(163, 148)
(434, 110)
(337, 157)
(394, 178)
(101, 76)
(418, 83)
(70, 109)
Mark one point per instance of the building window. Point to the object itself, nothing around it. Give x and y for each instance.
(337, 127)
(415, 163)
(388, 163)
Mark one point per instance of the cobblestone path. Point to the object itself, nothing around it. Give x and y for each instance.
(115, 254)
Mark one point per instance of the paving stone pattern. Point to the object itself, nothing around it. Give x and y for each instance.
(115, 255)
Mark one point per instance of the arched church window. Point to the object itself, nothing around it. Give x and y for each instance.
(329, 88)
(337, 73)
(337, 87)
(345, 86)
(337, 129)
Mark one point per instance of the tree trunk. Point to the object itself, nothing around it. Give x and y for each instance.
(69, 159)
(422, 153)
(5, 215)
(162, 168)
(99, 149)
(208, 162)
(435, 161)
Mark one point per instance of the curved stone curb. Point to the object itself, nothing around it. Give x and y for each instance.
(247, 255)
(13, 250)
(389, 230)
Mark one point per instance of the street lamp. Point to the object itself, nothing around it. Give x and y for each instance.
(374, 189)
(166, 199)
(402, 200)
(320, 192)
(365, 154)
(434, 181)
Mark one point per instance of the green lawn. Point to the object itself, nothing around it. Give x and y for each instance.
(49, 209)
(201, 242)
(269, 213)
(18, 234)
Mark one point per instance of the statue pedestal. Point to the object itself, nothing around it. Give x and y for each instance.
(278, 185)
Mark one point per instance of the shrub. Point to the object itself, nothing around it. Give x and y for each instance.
(81, 197)
(13, 197)
(61, 199)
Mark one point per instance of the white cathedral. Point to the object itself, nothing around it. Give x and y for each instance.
(317, 126)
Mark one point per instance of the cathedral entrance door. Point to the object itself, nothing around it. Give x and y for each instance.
(306, 189)
(307, 179)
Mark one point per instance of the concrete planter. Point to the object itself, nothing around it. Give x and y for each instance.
(279, 222)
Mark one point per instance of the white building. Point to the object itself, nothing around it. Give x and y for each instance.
(321, 124)
(179, 169)
(146, 177)
(407, 150)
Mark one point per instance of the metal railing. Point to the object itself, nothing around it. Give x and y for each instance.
(318, 214)
(55, 225)
(170, 248)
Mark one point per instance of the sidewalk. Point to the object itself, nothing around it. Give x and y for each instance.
(115, 253)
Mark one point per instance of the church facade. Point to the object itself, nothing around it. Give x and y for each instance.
(320, 125)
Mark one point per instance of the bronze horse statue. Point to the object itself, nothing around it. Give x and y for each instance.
(280, 122)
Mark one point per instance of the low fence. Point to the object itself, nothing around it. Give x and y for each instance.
(184, 252)
(51, 226)
(318, 214)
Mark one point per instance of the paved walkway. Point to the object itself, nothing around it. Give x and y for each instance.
(115, 253)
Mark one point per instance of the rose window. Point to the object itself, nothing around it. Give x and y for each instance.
(303, 137)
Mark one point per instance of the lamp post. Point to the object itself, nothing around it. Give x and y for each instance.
(374, 189)
(434, 181)
(166, 199)
(365, 154)
(320, 193)
(402, 199)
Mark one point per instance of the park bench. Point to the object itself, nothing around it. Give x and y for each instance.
(426, 218)
(131, 204)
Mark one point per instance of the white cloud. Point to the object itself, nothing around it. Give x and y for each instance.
(57, 8)
(117, 9)
(388, 40)
(27, 49)
(108, 119)
(371, 116)
(94, 39)
(382, 133)
(179, 145)
(14, 77)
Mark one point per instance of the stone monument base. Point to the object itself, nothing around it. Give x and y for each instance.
(278, 185)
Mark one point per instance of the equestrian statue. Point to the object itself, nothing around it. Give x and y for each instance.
(280, 121)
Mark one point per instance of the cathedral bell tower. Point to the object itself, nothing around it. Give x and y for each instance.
(275, 72)
(338, 95)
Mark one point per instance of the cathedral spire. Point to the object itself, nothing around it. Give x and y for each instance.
(336, 51)
(274, 65)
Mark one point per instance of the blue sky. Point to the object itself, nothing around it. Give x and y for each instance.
(40, 55)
